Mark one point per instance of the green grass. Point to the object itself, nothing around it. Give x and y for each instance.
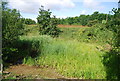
(31, 30)
(70, 33)
(69, 57)
(96, 34)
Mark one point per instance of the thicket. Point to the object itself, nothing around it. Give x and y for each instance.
(12, 27)
(112, 58)
(47, 24)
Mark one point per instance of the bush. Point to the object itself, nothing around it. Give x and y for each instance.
(12, 27)
(97, 33)
(111, 59)
(32, 46)
(93, 22)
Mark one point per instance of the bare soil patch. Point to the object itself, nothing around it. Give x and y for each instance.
(32, 72)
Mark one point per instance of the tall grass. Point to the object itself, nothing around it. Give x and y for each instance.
(70, 58)
(70, 33)
(31, 30)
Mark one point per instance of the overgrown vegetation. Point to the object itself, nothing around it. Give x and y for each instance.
(112, 58)
(97, 33)
(67, 57)
(85, 53)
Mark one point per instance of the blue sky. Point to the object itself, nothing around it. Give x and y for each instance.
(62, 8)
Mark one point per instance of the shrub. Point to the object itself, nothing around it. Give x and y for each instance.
(93, 22)
(111, 59)
(97, 33)
(12, 27)
(31, 47)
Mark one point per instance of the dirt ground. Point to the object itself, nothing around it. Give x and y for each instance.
(31, 72)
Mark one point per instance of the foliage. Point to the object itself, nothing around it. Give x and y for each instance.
(11, 23)
(68, 57)
(86, 19)
(28, 21)
(4, 5)
(47, 24)
(31, 47)
(97, 33)
(111, 59)
(12, 27)
(93, 22)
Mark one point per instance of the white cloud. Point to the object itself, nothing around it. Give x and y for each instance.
(32, 6)
(61, 17)
(93, 4)
(58, 4)
(34, 19)
(83, 12)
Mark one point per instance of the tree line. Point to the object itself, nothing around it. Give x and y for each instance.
(89, 20)
(28, 21)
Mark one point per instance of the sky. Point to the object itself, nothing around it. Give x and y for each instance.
(62, 8)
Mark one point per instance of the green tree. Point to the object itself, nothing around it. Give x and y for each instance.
(70, 20)
(12, 27)
(83, 19)
(112, 58)
(29, 21)
(47, 24)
